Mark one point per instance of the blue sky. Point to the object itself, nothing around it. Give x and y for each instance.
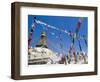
(61, 22)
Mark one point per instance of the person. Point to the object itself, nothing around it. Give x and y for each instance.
(75, 57)
(69, 57)
(63, 60)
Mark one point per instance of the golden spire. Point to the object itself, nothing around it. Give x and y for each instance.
(42, 42)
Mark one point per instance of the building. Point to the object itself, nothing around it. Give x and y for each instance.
(41, 54)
